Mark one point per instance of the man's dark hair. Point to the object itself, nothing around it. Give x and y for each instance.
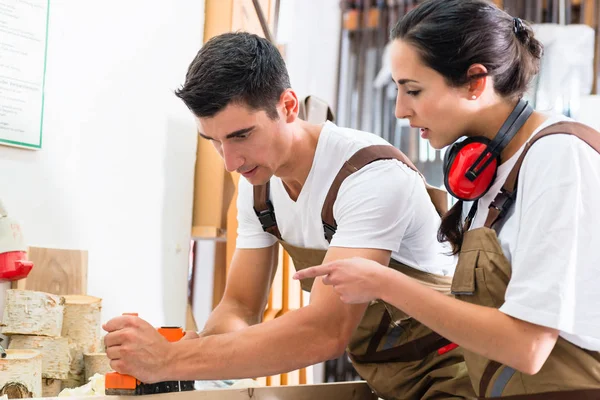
(238, 68)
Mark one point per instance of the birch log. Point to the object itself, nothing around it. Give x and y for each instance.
(56, 357)
(51, 387)
(21, 374)
(81, 324)
(27, 312)
(95, 363)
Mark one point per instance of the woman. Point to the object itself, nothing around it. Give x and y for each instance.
(526, 309)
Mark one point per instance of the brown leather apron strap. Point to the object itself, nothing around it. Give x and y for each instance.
(264, 210)
(415, 350)
(487, 376)
(360, 159)
(379, 334)
(505, 198)
(584, 394)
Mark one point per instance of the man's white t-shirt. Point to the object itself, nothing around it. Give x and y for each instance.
(383, 206)
(550, 235)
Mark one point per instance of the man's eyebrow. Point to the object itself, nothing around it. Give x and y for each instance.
(234, 134)
(240, 132)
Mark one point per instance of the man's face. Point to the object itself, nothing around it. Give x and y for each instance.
(246, 139)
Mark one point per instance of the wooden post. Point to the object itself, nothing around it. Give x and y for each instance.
(51, 387)
(95, 363)
(82, 326)
(21, 374)
(27, 312)
(55, 353)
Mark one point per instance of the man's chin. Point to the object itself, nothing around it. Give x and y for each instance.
(257, 178)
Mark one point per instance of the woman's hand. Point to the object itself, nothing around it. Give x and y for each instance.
(356, 280)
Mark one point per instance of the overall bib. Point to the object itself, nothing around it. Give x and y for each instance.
(482, 276)
(399, 357)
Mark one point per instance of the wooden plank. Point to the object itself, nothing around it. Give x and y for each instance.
(356, 390)
(232, 223)
(213, 189)
(218, 17)
(208, 232)
(244, 17)
(588, 12)
(56, 271)
(220, 274)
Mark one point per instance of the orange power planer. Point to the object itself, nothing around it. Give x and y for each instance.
(126, 385)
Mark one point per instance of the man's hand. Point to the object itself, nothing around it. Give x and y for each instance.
(355, 280)
(135, 348)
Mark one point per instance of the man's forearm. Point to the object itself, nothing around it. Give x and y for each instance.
(296, 340)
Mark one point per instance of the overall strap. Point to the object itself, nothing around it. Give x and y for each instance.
(360, 159)
(507, 195)
(264, 210)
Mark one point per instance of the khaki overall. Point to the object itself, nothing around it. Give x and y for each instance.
(482, 276)
(399, 357)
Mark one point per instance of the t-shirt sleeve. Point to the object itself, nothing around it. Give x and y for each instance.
(250, 234)
(374, 206)
(556, 254)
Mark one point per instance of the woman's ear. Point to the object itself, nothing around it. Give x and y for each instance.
(477, 78)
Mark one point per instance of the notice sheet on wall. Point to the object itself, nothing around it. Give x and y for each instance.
(23, 42)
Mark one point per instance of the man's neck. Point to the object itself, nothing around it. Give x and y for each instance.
(301, 154)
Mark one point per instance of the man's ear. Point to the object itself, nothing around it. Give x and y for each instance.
(289, 103)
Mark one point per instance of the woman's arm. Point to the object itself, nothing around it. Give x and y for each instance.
(483, 330)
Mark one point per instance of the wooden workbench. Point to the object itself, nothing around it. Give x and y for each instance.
(329, 391)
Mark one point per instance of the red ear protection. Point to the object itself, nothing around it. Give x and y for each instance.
(470, 165)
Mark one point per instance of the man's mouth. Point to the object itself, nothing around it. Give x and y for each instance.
(249, 172)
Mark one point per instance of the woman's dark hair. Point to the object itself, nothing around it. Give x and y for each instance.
(452, 35)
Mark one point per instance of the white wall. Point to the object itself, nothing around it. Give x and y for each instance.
(310, 29)
(115, 174)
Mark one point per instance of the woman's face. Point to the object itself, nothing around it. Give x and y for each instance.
(426, 99)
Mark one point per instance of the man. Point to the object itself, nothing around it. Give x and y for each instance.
(378, 208)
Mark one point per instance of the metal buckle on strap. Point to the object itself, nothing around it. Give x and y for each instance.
(266, 217)
(329, 231)
(503, 201)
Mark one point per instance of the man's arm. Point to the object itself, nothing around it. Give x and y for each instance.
(315, 333)
(246, 292)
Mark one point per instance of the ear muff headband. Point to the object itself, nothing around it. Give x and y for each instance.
(470, 165)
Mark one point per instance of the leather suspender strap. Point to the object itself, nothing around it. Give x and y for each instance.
(360, 159)
(507, 195)
(264, 210)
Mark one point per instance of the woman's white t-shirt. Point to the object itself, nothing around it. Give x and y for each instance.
(551, 237)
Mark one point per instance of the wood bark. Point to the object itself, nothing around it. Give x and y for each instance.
(81, 324)
(95, 363)
(27, 312)
(21, 374)
(56, 357)
(51, 387)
